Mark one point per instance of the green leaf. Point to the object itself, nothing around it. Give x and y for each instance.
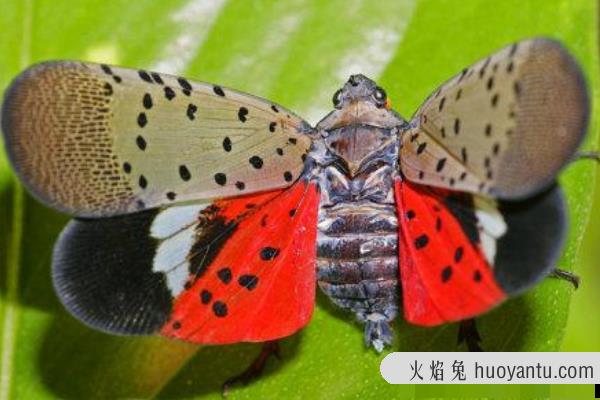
(296, 52)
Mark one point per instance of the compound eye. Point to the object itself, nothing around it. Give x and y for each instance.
(379, 96)
(337, 99)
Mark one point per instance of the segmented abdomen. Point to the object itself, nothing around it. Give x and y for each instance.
(357, 258)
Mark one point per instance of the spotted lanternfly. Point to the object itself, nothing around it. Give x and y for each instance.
(209, 215)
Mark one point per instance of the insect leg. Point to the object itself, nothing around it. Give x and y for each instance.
(467, 333)
(586, 155)
(256, 368)
(567, 276)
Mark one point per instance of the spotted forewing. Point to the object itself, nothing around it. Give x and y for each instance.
(118, 140)
(503, 127)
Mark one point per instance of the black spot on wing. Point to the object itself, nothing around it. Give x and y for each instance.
(256, 162)
(108, 89)
(494, 100)
(446, 274)
(218, 91)
(145, 76)
(456, 126)
(185, 85)
(458, 254)
(147, 101)
(205, 296)
(421, 241)
(509, 67)
(220, 309)
(248, 281)
(220, 178)
(102, 272)
(169, 93)
(106, 69)
(496, 148)
(184, 173)
(191, 111)
(142, 120)
(243, 114)
(225, 275)
(157, 78)
(268, 253)
(483, 69)
(488, 130)
(227, 144)
(440, 164)
(141, 142)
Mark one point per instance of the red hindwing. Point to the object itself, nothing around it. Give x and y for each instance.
(445, 277)
(261, 284)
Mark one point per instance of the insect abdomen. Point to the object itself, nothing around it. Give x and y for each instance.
(357, 264)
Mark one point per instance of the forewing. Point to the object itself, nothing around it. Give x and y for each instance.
(503, 127)
(461, 254)
(229, 271)
(96, 140)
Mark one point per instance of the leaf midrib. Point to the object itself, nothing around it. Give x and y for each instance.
(11, 309)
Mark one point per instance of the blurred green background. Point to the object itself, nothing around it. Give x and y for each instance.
(297, 53)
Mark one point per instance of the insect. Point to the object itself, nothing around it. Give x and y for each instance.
(209, 215)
